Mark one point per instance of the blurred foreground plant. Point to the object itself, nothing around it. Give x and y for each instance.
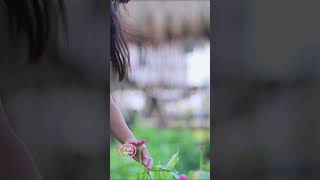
(168, 172)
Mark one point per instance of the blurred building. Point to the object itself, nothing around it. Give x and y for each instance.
(159, 21)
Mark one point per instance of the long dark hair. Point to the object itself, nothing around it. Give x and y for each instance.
(120, 57)
(34, 18)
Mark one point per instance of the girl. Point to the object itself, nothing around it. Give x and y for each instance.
(120, 61)
(31, 22)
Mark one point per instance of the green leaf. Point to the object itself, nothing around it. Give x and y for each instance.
(167, 168)
(175, 175)
(173, 160)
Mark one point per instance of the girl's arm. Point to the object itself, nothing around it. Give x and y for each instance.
(118, 125)
(15, 161)
(121, 131)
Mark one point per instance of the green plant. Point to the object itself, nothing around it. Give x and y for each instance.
(163, 172)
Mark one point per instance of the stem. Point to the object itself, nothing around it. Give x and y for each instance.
(201, 161)
(149, 175)
(140, 161)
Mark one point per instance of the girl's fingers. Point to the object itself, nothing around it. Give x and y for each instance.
(145, 155)
(146, 159)
(150, 163)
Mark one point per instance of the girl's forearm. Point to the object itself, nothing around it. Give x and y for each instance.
(118, 125)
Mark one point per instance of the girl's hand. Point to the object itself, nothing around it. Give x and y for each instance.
(146, 159)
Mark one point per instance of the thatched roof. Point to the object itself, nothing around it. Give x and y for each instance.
(160, 20)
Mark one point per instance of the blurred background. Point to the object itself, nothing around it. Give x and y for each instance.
(166, 97)
(266, 74)
(59, 108)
